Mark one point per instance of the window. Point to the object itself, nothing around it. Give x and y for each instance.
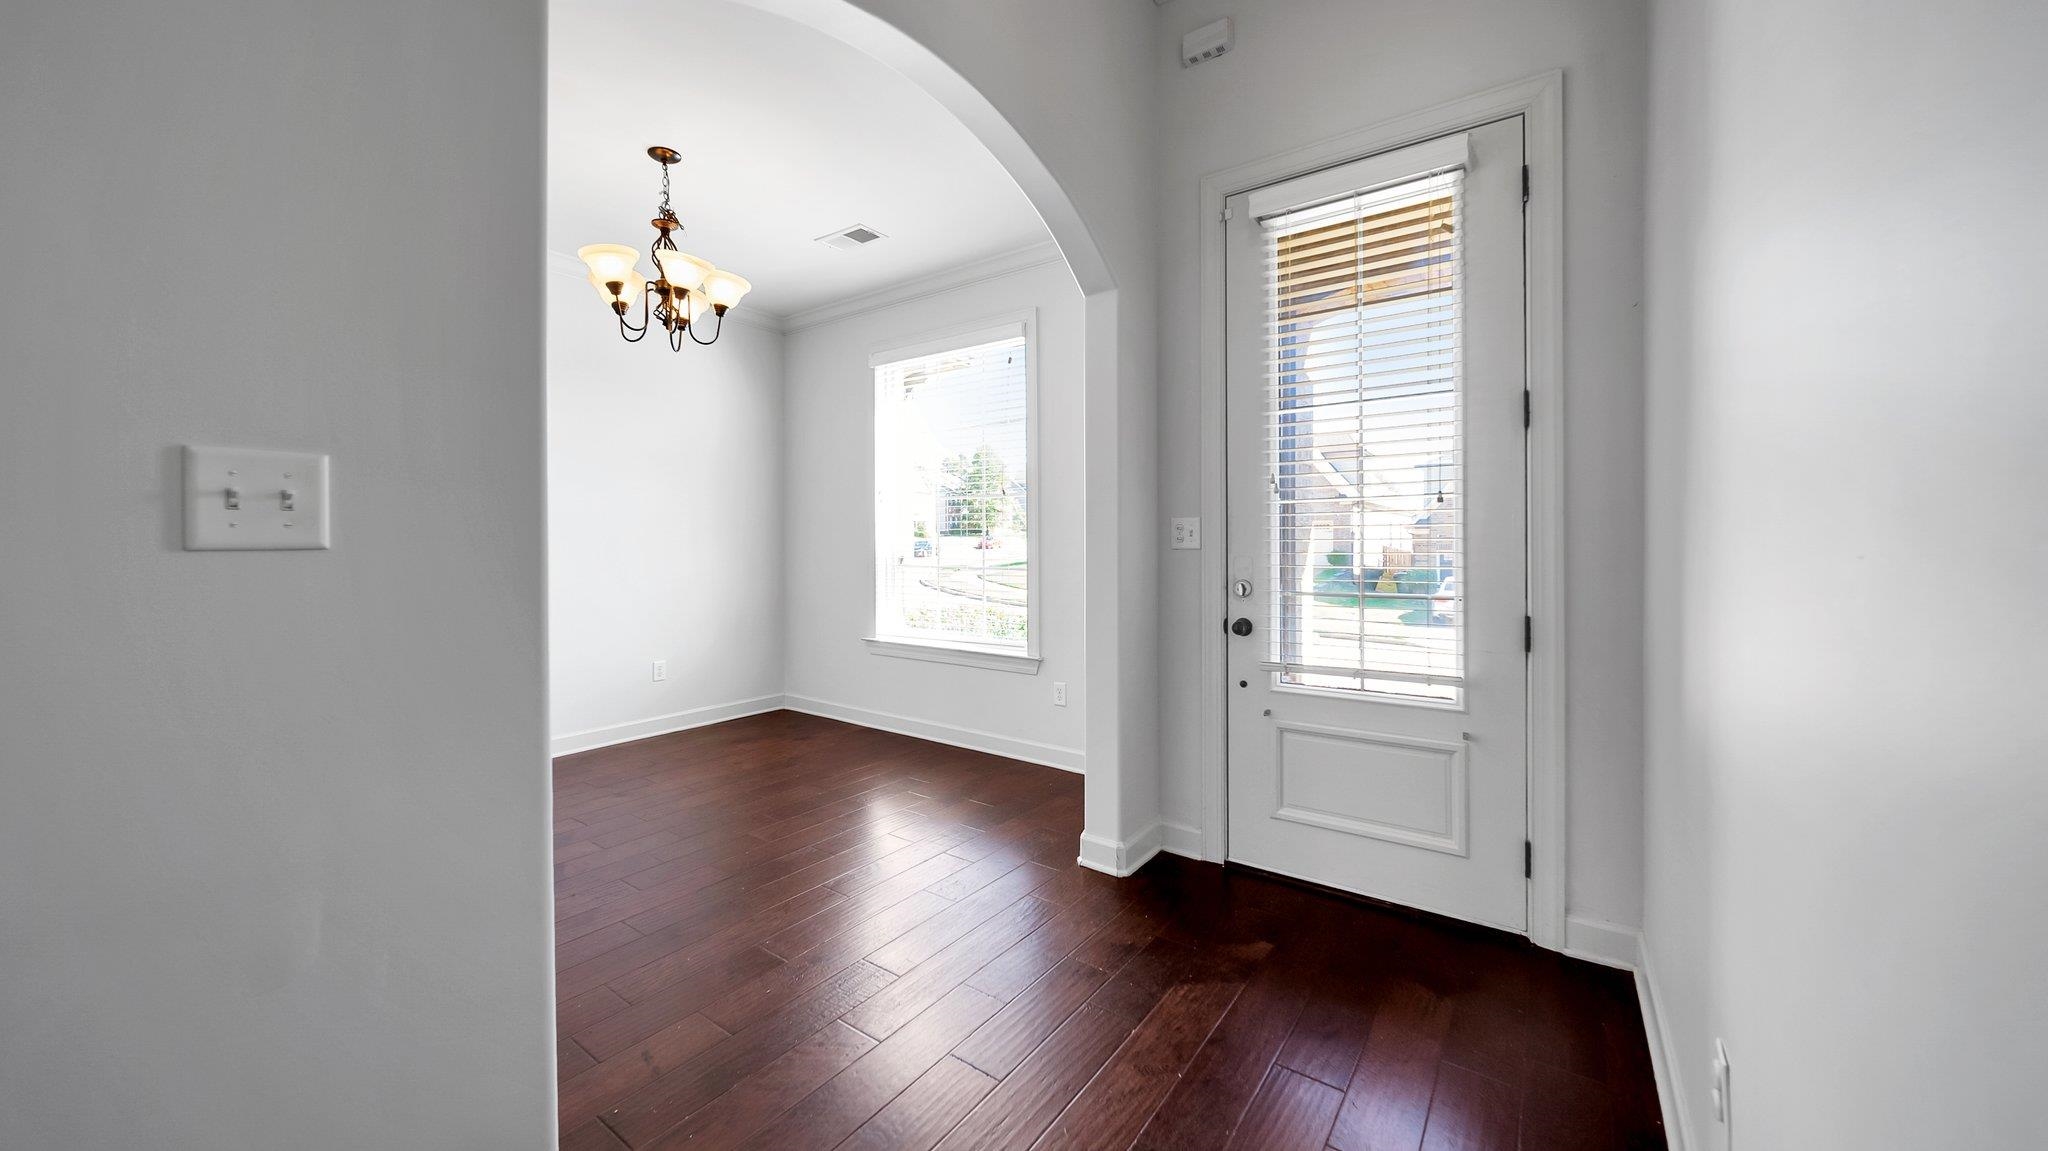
(1364, 445)
(953, 551)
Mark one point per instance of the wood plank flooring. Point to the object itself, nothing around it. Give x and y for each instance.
(787, 932)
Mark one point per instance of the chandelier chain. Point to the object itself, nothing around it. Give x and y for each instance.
(664, 237)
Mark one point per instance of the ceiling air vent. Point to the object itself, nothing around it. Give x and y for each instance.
(847, 239)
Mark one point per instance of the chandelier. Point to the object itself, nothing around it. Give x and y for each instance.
(686, 292)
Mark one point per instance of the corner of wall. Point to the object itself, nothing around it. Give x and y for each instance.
(1121, 858)
(1663, 1056)
(1620, 946)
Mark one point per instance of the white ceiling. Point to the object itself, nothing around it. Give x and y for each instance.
(786, 135)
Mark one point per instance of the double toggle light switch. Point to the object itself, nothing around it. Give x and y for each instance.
(287, 499)
(251, 499)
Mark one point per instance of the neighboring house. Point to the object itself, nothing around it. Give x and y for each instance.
(1377, 523)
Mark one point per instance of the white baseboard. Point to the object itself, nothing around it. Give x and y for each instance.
(1618, 945)
(598, 737)
(1180, 839)
(1121, 859)
(1663, 1058)
(1598, 941)
(1030, 751)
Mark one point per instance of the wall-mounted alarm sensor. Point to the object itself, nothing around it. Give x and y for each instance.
(1206, 43)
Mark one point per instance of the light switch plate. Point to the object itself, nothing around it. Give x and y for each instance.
(252, 499)
(1187, 533)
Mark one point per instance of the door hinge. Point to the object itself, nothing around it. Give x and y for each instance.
(1226, 210)
(1528, 860)
(1525, 183)
(1528, 410)
(1528, 634)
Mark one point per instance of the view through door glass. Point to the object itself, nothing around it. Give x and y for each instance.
(1375, 526)
(1362, 337)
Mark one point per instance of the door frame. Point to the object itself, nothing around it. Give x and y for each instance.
(1540, 101)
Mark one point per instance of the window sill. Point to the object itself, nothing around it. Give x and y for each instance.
(989, 659)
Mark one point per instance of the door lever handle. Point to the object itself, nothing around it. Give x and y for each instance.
(1240, 626)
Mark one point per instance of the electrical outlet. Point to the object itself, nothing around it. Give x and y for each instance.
(1187, 533)
(1059, 694)
(660, 670)
(1723, 1101)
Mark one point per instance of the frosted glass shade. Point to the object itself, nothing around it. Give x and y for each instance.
(699, 306)
(608, 261)
(681, 269)
(725, 288)
(636, 285)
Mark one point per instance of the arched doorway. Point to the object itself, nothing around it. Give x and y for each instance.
(1107, 841)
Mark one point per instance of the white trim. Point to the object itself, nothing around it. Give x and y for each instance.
(961, 655)
(1549, 760)
(1540, 101)
(1003, 325)
(1181, 839)
(1121, 859)
(563, 264)
(929, 284)
(897, 351)
(1028, 750)
(597, 737)
(1619, 945)
(1663, 1058)
(1358, 177)
(1598, 941)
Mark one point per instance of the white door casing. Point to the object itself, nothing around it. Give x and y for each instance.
(1377, 709)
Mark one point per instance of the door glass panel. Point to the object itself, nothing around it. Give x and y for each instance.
(1363, 448)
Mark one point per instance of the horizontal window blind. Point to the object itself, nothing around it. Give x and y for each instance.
(1363, 443)
(952, 540)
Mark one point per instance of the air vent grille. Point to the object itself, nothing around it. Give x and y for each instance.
(848, 238)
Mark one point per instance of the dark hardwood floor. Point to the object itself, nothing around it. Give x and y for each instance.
(786, 932)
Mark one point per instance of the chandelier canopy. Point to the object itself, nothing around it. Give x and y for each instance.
(686, 290)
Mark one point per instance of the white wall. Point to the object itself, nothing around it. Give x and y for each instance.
(665, 474)
(273, 826)
(1306, 70)
(1848, 638)
(828, 511)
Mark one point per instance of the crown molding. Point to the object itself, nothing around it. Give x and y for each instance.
(563, 264)
(929, 284)
(887, 296)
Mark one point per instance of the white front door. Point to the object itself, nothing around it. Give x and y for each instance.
(1375, 532)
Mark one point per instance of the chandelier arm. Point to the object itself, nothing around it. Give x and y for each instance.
(641, 331)
(692, 329)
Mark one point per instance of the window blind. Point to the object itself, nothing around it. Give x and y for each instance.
(1363, 443)
(952, 492)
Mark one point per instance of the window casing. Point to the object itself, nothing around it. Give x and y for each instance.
(955, 553)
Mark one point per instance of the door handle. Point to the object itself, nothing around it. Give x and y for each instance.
(1240, 626)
